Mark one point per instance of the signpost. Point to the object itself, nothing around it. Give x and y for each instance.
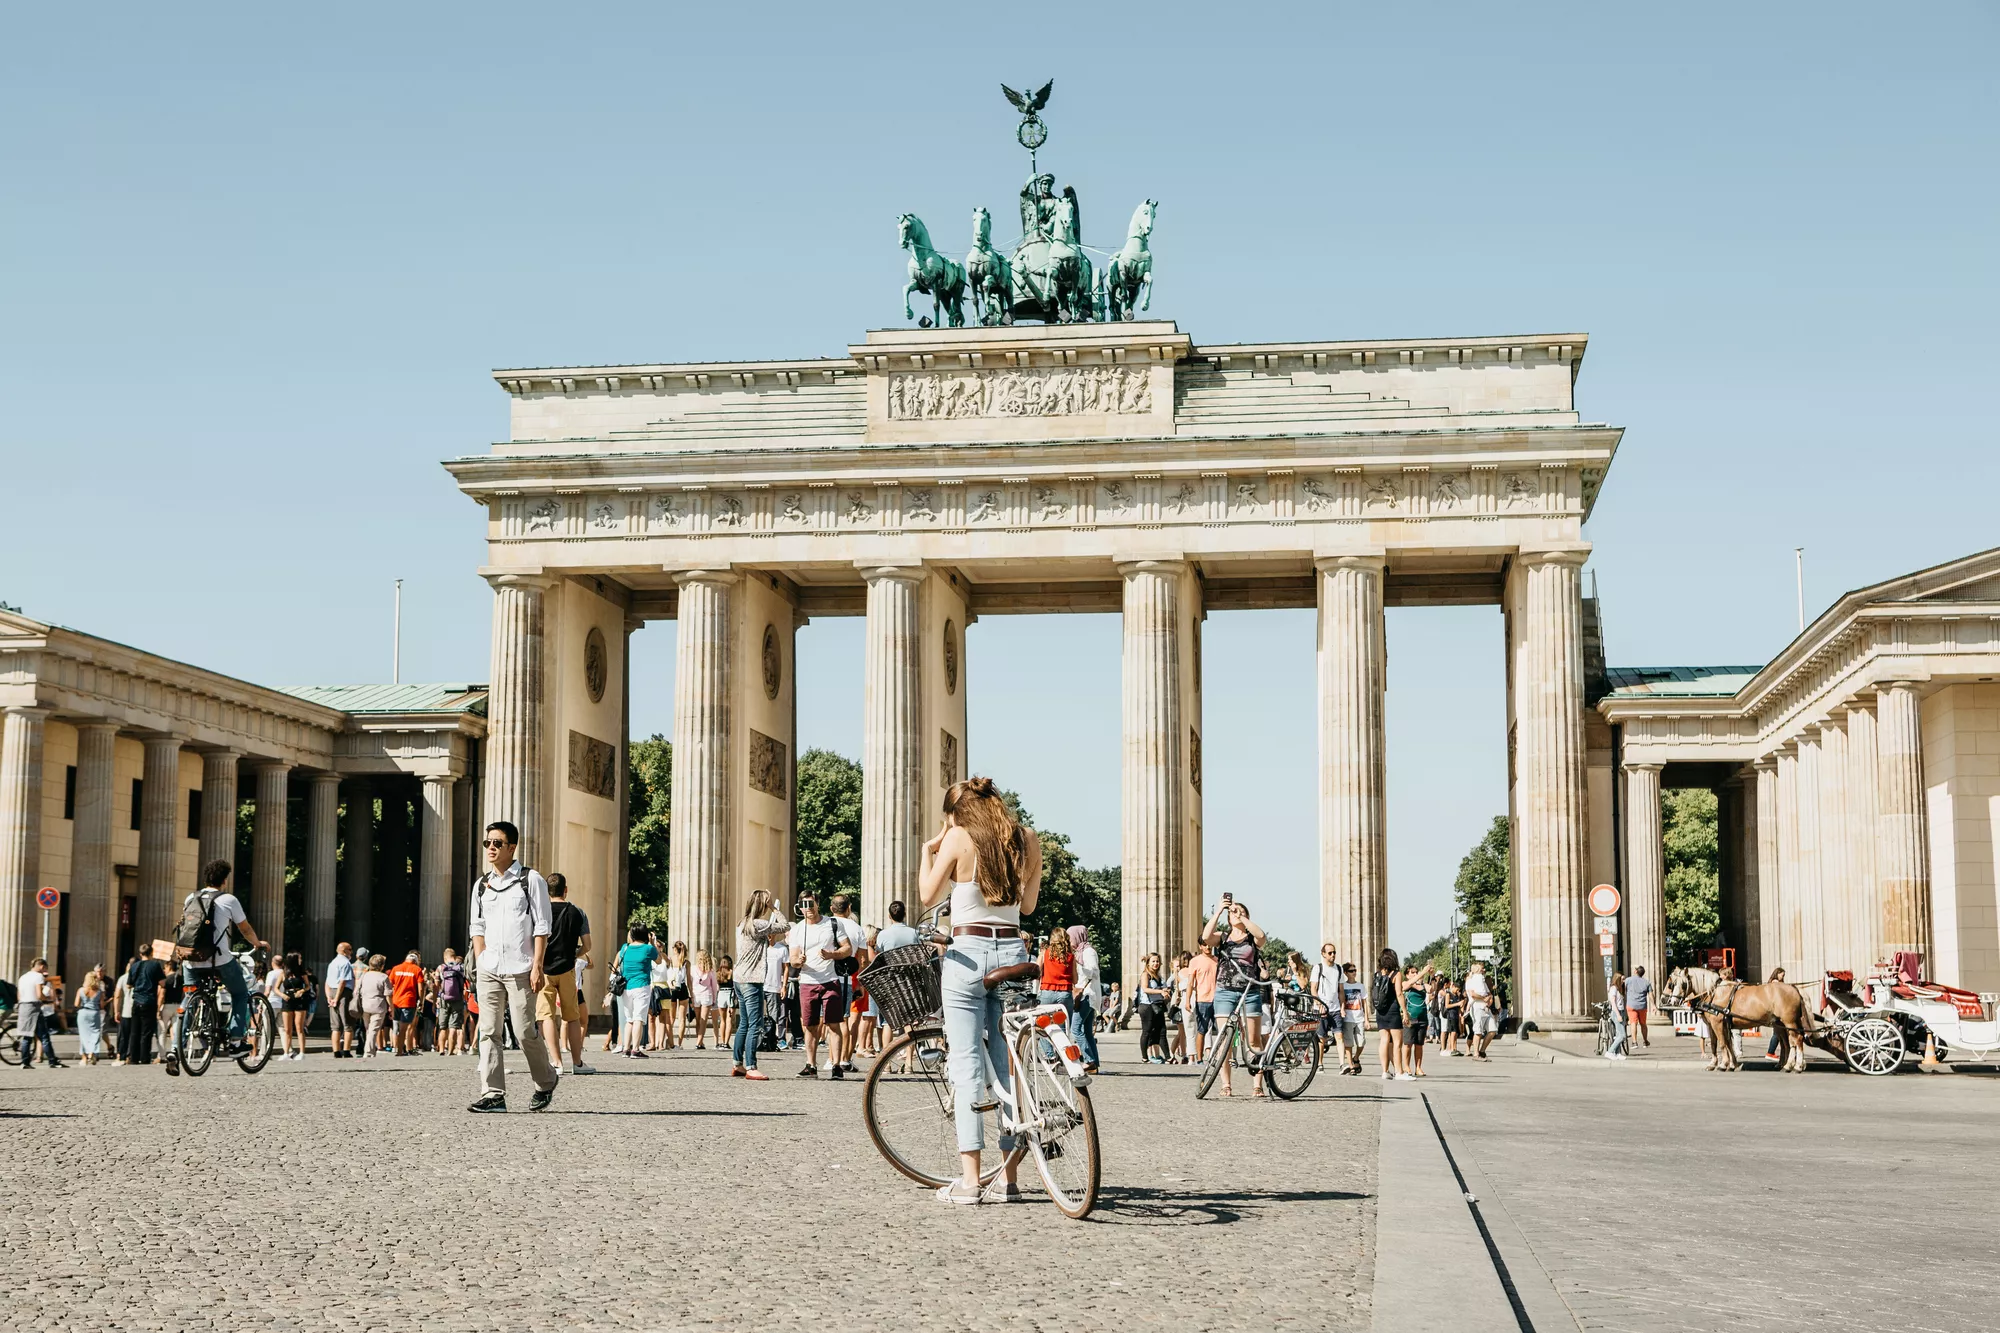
(48, 900)
(1482, 945)
(1604, 903)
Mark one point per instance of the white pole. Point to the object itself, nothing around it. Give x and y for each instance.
(396, 660)
(1799, 560)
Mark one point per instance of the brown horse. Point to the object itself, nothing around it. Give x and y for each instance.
(1722, 1003)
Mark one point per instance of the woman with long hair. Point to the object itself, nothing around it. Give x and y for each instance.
(706, 992)
(634, 962)
(679, 983)
(295, 995)
(91, 999)
(725, 1000)
(759, 936)
(1236, 940)
(1058, 962)
(1152, 1011)
(990, 868)
(1385, 995)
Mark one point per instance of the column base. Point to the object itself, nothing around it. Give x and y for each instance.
(1559, 1023)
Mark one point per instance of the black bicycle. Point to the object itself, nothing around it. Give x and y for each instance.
(204, 1026)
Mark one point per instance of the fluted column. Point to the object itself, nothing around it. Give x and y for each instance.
(1902, 863)
(1555, 933)
(20, 835)
(1864, 919)
(1750, 912)
(159, 838)
(93, 908)
(434, 871)
(1770, 889)
(700, 872)
(322, 865)
(1790, 892)
(1353, 845)
(1152, 904)
(1812, 884)
(357, 864)
(1645, 871)
(514, 710)
(218, 807)
(892, 787)
(267, 853)
(1834, 876)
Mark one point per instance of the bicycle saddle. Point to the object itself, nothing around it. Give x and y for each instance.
(1000, 976)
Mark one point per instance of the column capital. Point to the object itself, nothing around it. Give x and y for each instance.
(899, 572)
(518, 578)
(1899, 683)
(1163, 564)
(158, 739)
(31, 712)
(323, 779)
(1573, 554)
(219, 753)
(264, 764)
(97, 724)
(723, 577)
(1643, 768)
(1373, 562)
(1765, 763)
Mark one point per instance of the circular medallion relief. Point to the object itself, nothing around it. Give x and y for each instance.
(950, 658)
(596, 664)
(774, 663)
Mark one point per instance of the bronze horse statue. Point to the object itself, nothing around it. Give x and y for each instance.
(1722, 1002)
(941, 279)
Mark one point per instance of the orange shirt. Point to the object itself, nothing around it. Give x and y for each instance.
(1202, 973)
(1058, 973)
(406, 981)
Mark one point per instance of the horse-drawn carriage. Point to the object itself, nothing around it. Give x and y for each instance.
(1891, 1017)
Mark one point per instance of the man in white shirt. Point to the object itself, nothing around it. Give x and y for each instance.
(856, 936)
(33, 992)
(1326, 989)
(339, 989)
(816, 943)
(225, 909)
(510, 931)
(1479, 1003)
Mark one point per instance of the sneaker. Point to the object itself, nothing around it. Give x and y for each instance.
(999, 1191)
(1406, 1078)
(171, 1064)
(492, 1102)
(810, 1071)
(1386, 1076)
(582, 1069)
(754, 1076)
(543, 1096)
(636, 1055)
(839, 1071)
(956, 1192)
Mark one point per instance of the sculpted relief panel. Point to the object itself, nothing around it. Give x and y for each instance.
(1059, 391)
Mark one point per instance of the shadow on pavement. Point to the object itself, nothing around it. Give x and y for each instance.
(1145, 1206)
(728, 1114)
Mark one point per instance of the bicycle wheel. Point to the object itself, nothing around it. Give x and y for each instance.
(908, 1106)
(1604, 1035)
(1064, 1145)
(1224, 1038)
(10, 1042)
(263, 1037)
(1294, 1062)
(197, 1044)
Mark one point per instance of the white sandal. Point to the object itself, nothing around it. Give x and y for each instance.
(950, 1194)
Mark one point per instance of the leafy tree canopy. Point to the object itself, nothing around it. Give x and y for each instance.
(650, 792)
(1693, 889)
(829, 824)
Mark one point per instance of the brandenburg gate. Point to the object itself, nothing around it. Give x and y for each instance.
(935, 475)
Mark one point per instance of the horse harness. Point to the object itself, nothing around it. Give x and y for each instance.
(1726, 1011)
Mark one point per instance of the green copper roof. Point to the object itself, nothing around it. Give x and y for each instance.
(1685, 682)
(395, 698)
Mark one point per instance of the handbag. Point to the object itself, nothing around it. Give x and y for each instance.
(617, 986)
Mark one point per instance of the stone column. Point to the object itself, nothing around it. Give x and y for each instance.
(93, 909)
(267, 853)
(218, 807)
(1749, 947)
(1152, 909)
(1770, 896)
(1556, 983)
(159, 903)
(434, 869)
(1353, 845)
(1901, 859)
(357, 864)
(621, 884)
(20, 836)
(1645, 872)
(892, 750)
(322, 866)
(701, 870)
(1864, 919)
(1834, 876)
(514, 709)
(1812, 887)
(1789, 891)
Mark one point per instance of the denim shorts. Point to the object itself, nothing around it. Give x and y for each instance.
(1204, 1016)
(1227, 1002)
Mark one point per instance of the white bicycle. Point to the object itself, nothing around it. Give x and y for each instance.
(910, 1106)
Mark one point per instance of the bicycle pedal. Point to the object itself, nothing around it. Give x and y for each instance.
(986, 1106)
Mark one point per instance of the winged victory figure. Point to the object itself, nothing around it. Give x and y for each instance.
(1029, 103)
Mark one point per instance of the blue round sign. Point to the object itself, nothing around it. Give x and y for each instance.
(48, 899)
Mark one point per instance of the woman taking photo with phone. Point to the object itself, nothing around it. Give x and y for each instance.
(1238, 967)
(991, 869)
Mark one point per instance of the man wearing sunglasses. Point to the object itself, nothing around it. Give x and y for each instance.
(510, 932)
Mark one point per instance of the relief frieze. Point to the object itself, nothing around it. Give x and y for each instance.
(1058, 391)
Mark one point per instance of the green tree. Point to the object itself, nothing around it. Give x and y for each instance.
(1072, 894)
(650, 792)
(829, 824)
(1688, 816)
(1436, 953)
(1484, 894)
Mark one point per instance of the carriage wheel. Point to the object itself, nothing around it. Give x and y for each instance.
(1873, 1046)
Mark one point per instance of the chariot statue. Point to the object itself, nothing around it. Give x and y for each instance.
(1048, 275)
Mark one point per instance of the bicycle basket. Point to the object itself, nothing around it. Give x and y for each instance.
(904, 984)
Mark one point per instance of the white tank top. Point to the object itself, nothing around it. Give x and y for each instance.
(970, 908)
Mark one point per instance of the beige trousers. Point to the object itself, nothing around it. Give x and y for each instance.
(512, 993)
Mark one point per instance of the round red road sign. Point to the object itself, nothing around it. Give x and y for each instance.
(1604, 900)
(48, 899)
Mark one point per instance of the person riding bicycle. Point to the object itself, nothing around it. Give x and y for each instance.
(206, 916)
(1241, 983)
(991, 868)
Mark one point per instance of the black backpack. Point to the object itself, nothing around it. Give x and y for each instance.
(1383, 993)
(195, 938)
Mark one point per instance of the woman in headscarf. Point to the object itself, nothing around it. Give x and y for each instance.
(1083, 1014)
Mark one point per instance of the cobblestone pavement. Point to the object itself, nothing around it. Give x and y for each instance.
(1624, 1197)
(657, 1195)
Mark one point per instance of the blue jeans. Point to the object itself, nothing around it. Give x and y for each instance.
(31, 1027)
(972, 1017)
(1083, 1026)
(231, 977)
(749, 1022)
(1619, 1031)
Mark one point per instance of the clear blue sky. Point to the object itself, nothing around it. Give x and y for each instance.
(260, 259)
